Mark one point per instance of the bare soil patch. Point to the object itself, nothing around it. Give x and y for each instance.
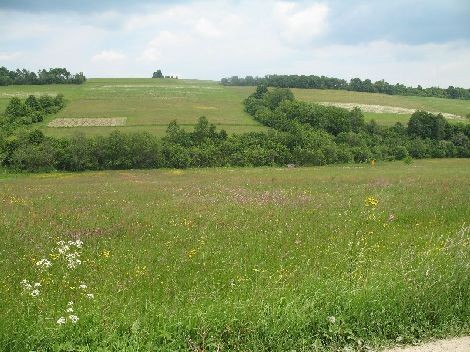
(453, 345)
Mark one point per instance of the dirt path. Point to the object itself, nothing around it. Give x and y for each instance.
(461, 344)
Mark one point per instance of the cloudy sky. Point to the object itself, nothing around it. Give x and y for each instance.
(415, 42)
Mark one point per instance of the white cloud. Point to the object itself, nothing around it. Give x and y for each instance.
(108, 56)
(5, 56)
(207, 29)
(150, 54)
(425, 64)
(209, 40)
(300, 25)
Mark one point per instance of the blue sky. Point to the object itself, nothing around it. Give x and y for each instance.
(415, 42)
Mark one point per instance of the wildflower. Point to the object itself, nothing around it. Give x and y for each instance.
(64, 248)
(76, 243)
(61, 321)
(371, 202)
(73, 260)
(391, 217)
(191, 253)
(43, 264)
(331, 319)
(35, 293)
(37, 284)
(83, 286)
(54, 256)
(69, 310)
(73, 318)
(105, 254)
(70, 303)
(90, 296)
(26, 285)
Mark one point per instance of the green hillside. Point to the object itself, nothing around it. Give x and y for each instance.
(150, 104)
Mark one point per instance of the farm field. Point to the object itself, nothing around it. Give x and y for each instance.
(304, 259)
(150, 104)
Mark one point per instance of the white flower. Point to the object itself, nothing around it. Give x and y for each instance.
(73, 318)
(63, 249)
(78, 244)
(90, 295)
(83, 286)
(35, 293)
(73, 260)
(37, 284)
(332, 319)
(69, 310)
(70, 303)
(61, 321)
(44, 264)
(26, 285)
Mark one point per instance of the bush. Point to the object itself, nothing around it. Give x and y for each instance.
(15, 109)
(176, 156)
(32, 110)
(34, 157)
(361, 155)
(400, 152)
(408, 160)
(423, 124)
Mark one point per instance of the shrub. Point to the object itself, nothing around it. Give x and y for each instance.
(34, 157)
(176, 156)
(400, 152)
(15, 109)
(423, 124)
(408, 160)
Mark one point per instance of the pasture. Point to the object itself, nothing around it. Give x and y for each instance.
(150, 104)
(263, 259)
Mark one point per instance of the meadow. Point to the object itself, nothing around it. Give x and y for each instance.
(250, 259)
(150, 104)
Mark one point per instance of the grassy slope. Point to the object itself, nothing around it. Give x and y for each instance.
(151, 104)
(246, 259)
(148, 104)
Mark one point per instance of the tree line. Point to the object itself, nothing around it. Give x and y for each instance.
(31, 110)
(355, 84)
(51, 76)
(300, 133)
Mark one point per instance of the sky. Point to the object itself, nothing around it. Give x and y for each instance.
(414, 42)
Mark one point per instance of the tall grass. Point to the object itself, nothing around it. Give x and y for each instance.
(263, 259)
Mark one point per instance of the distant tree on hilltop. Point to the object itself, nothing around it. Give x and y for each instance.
(157, 74)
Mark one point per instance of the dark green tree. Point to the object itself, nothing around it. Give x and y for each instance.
(157, 74)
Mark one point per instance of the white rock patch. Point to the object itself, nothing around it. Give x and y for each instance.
(383, 109)
(88, 122)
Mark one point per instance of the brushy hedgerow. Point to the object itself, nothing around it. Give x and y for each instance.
(176, 260)
(299, 133)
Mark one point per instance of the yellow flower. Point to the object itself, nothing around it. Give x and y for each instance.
(54, 256)
(106, 254)
(371, 202)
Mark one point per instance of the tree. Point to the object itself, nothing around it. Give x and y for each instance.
(157, 74)
(15, 109)
(426, 125)
(32, 103)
